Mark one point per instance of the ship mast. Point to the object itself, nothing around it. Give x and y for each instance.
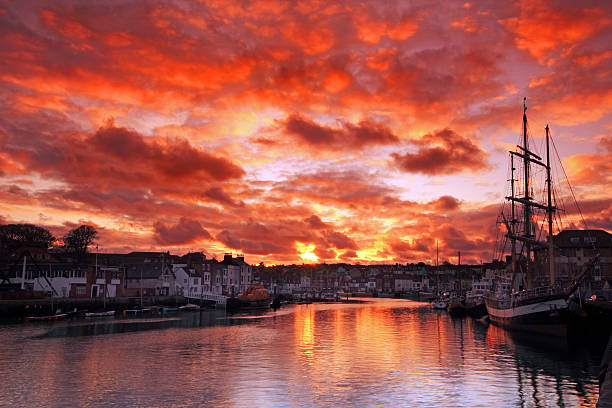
(528, 237)
(512, 221)
(549, 210)
(527, 202)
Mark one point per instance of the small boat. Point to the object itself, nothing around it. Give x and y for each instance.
(101, 314)
(426, 295)
(439, 304)
(362, 294)
(476, 307)
(60, 316)
(135, 312)
(189, 307)
(457, 308)
(166, 309)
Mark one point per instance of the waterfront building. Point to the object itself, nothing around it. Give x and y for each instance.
(573, 249)
(231, 275)
(245, 275)
(51, 279)
(188, 280)
(152, 279)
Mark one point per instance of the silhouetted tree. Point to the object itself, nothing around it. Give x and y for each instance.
(16, 235)
(78, 239)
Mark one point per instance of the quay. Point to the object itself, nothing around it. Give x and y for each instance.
(18, 309)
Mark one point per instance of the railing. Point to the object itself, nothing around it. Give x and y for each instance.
(518, 297)
(538, 292)
(218, 299)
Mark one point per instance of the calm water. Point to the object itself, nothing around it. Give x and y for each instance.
(382, 353)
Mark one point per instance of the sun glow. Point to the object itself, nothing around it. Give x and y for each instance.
(306, 253)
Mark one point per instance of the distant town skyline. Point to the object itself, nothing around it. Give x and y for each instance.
(308, 131)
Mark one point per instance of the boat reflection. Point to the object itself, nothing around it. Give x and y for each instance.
(545, 365)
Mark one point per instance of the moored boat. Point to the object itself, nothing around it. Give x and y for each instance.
(362, 294)
(457, 308)
(136, 312)
(476, 307)
(189, 307)
(523, 304)
(440, 304)
(255, 296)
(100, 314)
(426, 296)
(60, 316)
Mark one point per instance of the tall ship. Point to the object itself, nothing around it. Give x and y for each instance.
(526, 300)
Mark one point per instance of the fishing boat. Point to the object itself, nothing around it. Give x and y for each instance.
(528, 304)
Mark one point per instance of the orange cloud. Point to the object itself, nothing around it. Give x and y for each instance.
(366, 132)
(256, 126)
(443, 152)
(541, 29)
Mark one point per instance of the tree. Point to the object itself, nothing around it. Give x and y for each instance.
(16, 235)
(78, 239)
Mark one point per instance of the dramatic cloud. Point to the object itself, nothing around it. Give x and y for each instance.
(592, 168)
(115, 156)
(564, 28)
(443, 152)
(185, 231)
(348, 131)
(349, 135)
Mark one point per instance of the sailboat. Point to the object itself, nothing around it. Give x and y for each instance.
(522, 305)
(439, 303)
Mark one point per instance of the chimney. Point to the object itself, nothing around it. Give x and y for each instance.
(459, 256)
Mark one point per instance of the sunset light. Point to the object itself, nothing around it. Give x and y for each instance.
(336, 127)
(306, 252)
(306, 203)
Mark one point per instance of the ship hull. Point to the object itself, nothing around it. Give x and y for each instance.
(548, 316)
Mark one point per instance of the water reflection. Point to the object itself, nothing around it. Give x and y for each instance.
(382, 353)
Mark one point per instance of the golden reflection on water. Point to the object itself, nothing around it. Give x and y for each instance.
(384, 352)
(304, 330)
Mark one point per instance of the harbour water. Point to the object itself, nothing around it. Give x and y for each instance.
(380, 353)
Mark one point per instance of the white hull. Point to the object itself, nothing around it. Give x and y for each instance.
(547, 316)
(526, 310)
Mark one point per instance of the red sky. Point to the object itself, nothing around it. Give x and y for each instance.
(295, 131)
